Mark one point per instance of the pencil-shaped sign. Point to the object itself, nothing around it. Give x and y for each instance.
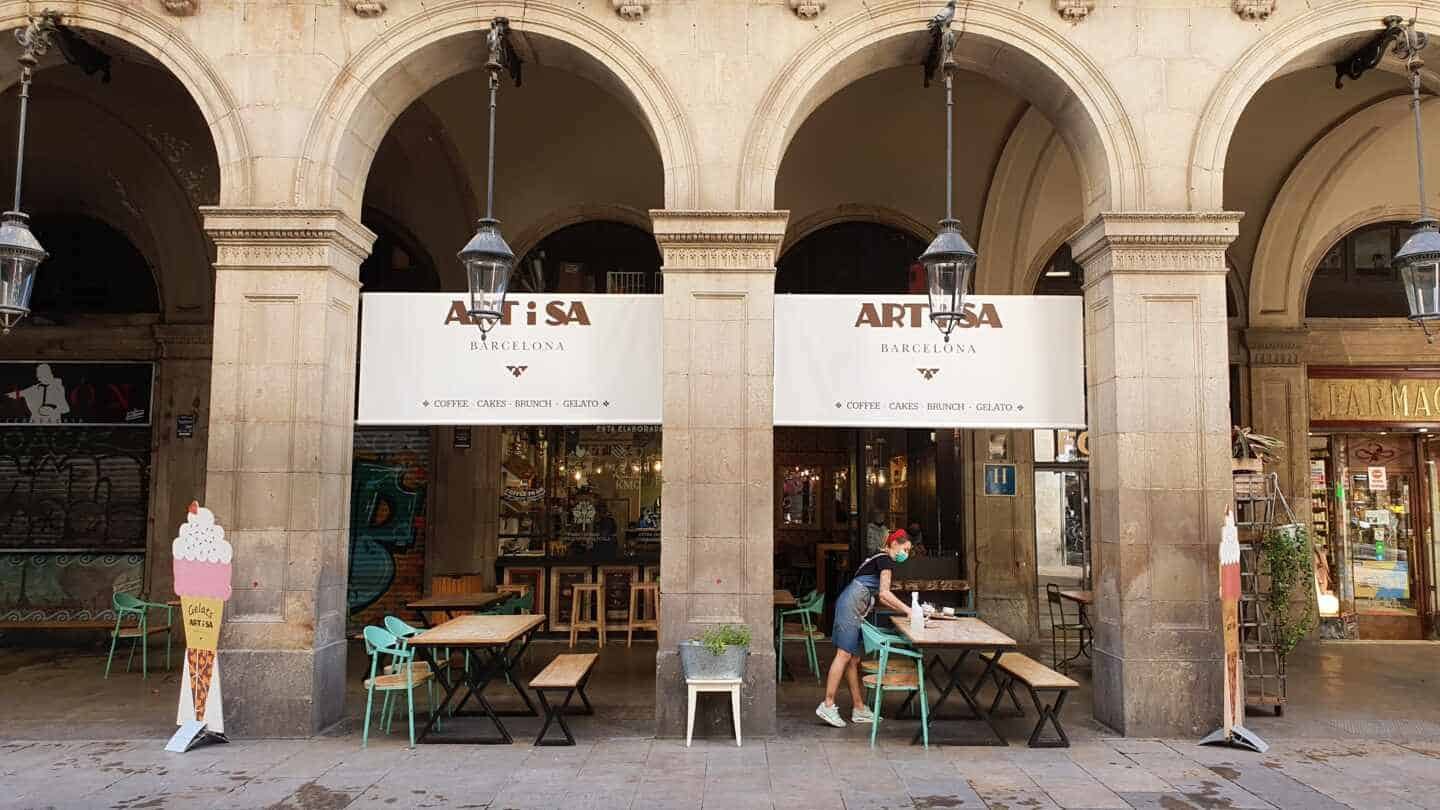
(1234, 712)
(202, 581)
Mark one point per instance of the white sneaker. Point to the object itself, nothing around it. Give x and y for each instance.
(830, 714)
(862, 715)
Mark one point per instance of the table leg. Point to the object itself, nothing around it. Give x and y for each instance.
(957, 685)
(497, 664)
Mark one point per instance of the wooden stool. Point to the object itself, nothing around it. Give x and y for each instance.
(640, 618)
(578, 621)
(695, 686)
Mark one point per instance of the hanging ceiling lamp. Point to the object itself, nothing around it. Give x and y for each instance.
(20, 252)
(488, 260)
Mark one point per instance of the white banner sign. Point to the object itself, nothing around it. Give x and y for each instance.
(865, 360)
(553, 360)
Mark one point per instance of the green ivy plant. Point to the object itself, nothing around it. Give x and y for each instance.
(716, 639)
(1287, 554)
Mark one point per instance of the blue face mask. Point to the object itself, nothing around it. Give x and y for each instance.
(902, 556)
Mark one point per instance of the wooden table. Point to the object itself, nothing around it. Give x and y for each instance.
(453, 603)
(498, 642)
(784, 599)
(965, 635)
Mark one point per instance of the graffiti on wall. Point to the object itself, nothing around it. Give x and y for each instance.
(47, 587)
(387, 517)
(76, 488)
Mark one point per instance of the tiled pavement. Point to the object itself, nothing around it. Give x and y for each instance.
(331, 773)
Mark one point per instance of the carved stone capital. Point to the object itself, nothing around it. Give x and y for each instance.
(1074, 10)
(286, 238)
(1275, 347)
(1253, 10)
(631, 9)
(807, 9)
(181, 8)
(719, 241)
(1159, 242)
(367, 8)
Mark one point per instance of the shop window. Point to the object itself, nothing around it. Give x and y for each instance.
(592, 257)
(574, 491)
(853, 258)
(93, 268)
(1355, 280)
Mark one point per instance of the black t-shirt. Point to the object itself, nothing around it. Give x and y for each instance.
(876, 564)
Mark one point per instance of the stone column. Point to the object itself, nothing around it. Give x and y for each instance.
(1160, 464)
(282, 411)
(717, 500)
(1280, 407)
(177, 466)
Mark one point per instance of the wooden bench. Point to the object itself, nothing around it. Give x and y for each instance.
(1037, 678)
(566, 673)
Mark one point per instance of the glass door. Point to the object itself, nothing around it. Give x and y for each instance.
(1382, 495)
(1062, 527)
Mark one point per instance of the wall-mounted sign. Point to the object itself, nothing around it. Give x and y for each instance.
(553, 360)
(462, 438)
(1000, 480)
(860, 361)
(184, 426)
(1374, 399)
(1378, 480)
(64, 393)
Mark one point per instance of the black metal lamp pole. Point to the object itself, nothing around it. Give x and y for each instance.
(20, 251)
(488, 260)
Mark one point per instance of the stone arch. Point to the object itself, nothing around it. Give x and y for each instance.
(1044, 67)
(145, 31)
(535, 233)
(1313, 38)
(1347, 180)
(1023, 226)
(444, 40)
(854, 212)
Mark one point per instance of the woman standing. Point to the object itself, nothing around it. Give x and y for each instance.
(871, 584)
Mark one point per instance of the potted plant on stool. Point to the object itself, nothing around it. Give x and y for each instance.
(717, 653)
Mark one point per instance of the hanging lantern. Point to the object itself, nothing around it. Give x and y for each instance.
(1418, 262)
(489, 262)
(20, 255)
(948, 261)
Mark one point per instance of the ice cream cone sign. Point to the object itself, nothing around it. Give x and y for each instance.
(202, 581)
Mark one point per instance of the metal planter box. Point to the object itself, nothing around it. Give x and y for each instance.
(699, 663)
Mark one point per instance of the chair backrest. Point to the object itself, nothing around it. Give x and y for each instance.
(400, 629)
(1056, 606)
(875, 638)
(521, 604)
(127, 603)
(378, 640)
(817, 602)
(457, 583)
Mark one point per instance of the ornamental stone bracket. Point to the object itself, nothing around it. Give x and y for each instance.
(1275, 347)
(288, 239)
(719, 240)
(1253, 10)
(631, 9)
(1074, 10)
(1160, 242)
(367, 8)
(807, 9)
(181, 8)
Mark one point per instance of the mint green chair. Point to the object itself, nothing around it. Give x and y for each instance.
(402, 677)
(891, 678)
(405, 632)
(808, 609)
(519, 605)
(127, 605)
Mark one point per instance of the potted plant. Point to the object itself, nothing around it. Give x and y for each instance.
(717, 653)
(1250, 450)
